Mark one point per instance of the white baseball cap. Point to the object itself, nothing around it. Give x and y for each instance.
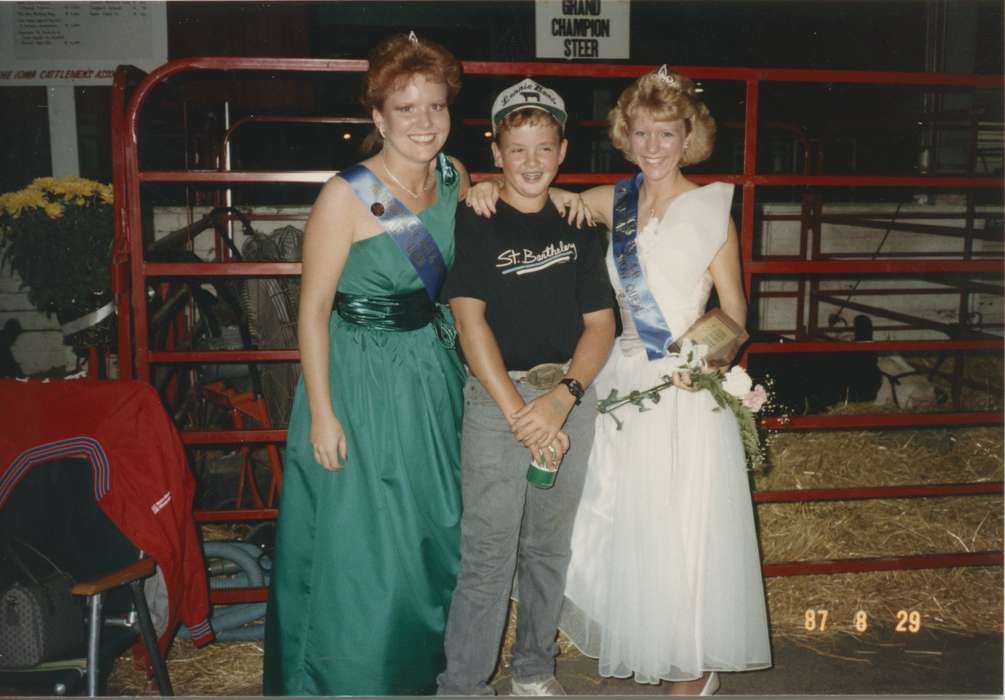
(528, 94)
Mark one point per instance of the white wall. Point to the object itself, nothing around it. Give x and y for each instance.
(40, 347)
(782, 238)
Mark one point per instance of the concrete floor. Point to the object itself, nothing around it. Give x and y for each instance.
(928, 663)
(882, 663)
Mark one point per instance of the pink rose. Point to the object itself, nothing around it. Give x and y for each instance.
(755, 398)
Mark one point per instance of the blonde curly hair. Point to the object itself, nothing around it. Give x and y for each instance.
(666, 96)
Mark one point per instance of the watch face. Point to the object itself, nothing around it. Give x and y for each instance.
(574, 387)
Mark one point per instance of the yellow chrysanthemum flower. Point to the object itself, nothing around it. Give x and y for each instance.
(13, 203)
(54, 210)
(42, 183)
(43, 190)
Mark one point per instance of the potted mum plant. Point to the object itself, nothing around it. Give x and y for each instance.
(57, 235)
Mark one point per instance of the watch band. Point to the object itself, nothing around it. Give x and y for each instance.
(575, 388)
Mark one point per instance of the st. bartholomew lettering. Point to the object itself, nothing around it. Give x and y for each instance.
(522, 262)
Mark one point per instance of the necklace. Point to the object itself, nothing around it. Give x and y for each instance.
(425, 186)
(665, 198)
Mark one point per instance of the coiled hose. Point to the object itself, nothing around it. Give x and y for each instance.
(248, 566)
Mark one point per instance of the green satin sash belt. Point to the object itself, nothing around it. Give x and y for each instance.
(408, 312)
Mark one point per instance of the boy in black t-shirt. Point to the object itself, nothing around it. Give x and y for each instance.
(529, 292)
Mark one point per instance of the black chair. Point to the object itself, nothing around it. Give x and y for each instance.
(53, 509)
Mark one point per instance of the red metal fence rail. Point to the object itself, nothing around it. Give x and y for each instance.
(138, 357)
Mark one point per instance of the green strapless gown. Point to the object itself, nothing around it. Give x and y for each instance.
(366, 557)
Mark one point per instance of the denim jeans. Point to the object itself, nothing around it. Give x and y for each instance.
(508, 526)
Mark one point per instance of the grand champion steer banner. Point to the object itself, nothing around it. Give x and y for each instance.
(582, 28)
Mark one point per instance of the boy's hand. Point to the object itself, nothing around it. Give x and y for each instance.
(483, 197)
(540, 420)
(551, 455)
(572, 205)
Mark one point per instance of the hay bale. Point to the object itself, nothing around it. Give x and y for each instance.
(953, 600)
(216, 532)
(221, 668)
(960, 599)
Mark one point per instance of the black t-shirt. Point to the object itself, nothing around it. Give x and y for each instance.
(536, 274)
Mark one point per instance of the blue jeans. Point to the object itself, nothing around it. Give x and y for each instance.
(509, 525)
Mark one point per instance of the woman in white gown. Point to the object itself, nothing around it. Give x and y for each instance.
(665, 580)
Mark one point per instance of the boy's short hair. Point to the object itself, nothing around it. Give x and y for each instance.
(527, 116)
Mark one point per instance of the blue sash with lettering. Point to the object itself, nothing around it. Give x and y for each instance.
(649, 321)
(404, 227)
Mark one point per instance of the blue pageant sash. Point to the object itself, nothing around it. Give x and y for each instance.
(404, 227)
(649, 321)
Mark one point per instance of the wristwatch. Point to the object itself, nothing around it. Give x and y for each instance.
(575, 388)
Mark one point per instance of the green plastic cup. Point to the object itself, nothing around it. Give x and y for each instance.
(541, 476)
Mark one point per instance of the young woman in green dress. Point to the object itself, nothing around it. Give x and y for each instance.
(367, 542)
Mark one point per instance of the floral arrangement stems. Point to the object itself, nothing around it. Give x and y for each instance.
(636, 398)
(735, 390)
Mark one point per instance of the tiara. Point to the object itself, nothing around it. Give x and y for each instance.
(671, 80)
(412, 38)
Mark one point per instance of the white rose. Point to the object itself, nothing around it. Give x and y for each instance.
(737, 382)
(673, 362)
(698, 353)
(691, 355)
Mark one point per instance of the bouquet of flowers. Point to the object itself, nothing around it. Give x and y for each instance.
(56, 234)
(734, 390)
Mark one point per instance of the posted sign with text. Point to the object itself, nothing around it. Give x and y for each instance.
(582, 28)
(78, 43)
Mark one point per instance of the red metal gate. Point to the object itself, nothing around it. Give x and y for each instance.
(132, 271)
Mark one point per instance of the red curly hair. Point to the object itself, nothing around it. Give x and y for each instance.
(397, 58)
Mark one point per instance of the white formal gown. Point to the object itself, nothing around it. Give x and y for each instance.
(665, 579)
